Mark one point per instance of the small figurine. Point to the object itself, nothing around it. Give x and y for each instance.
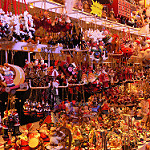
(44, 134)
(111, 74)
(112, 14)
(8, 76)
(5, 125)
(23, 140)
(1, 124)
(39, 110)
(16, 123)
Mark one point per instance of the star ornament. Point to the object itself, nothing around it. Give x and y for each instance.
(96, 8)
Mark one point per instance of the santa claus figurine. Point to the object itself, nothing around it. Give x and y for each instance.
(44, 66)
(44, 134)
(36, 64)
(26, 65)
(56, 137)
(23, 141)
(105, 107)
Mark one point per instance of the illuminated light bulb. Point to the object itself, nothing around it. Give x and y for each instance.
(31, 5)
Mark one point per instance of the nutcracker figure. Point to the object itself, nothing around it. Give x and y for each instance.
(16, 123)
(33, 108)
(10, 119)
(5, 125)
(47, 109)
(39, 110)
(1, 125)
(26, 107)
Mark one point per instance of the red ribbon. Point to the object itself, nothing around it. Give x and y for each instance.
(22, 6)
(0, 3)
(9, 5)
(26, 5)
(5, 7)
(18, 7)
(14, 3)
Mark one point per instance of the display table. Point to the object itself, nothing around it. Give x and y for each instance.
(35, 125)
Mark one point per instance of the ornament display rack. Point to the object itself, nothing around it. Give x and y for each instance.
(30, 48)
(86, 17)
(26, 47)
(75, 14)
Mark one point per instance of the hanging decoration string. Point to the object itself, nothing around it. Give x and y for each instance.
(124, 35)
(9, 5)
(41, 7)
(22, 7)
(26, 5)
(129, 34)
(4, 6)
(40, 56)
(14, 4)
(0, 3)
(18, 7)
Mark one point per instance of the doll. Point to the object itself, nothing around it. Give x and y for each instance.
(8, 76)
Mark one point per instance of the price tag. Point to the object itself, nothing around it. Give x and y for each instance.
(25, 48)
(39, 49)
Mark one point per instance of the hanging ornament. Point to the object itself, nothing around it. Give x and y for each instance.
(69, 5)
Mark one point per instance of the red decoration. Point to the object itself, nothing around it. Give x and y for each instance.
(50, 26)
(120, 7)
